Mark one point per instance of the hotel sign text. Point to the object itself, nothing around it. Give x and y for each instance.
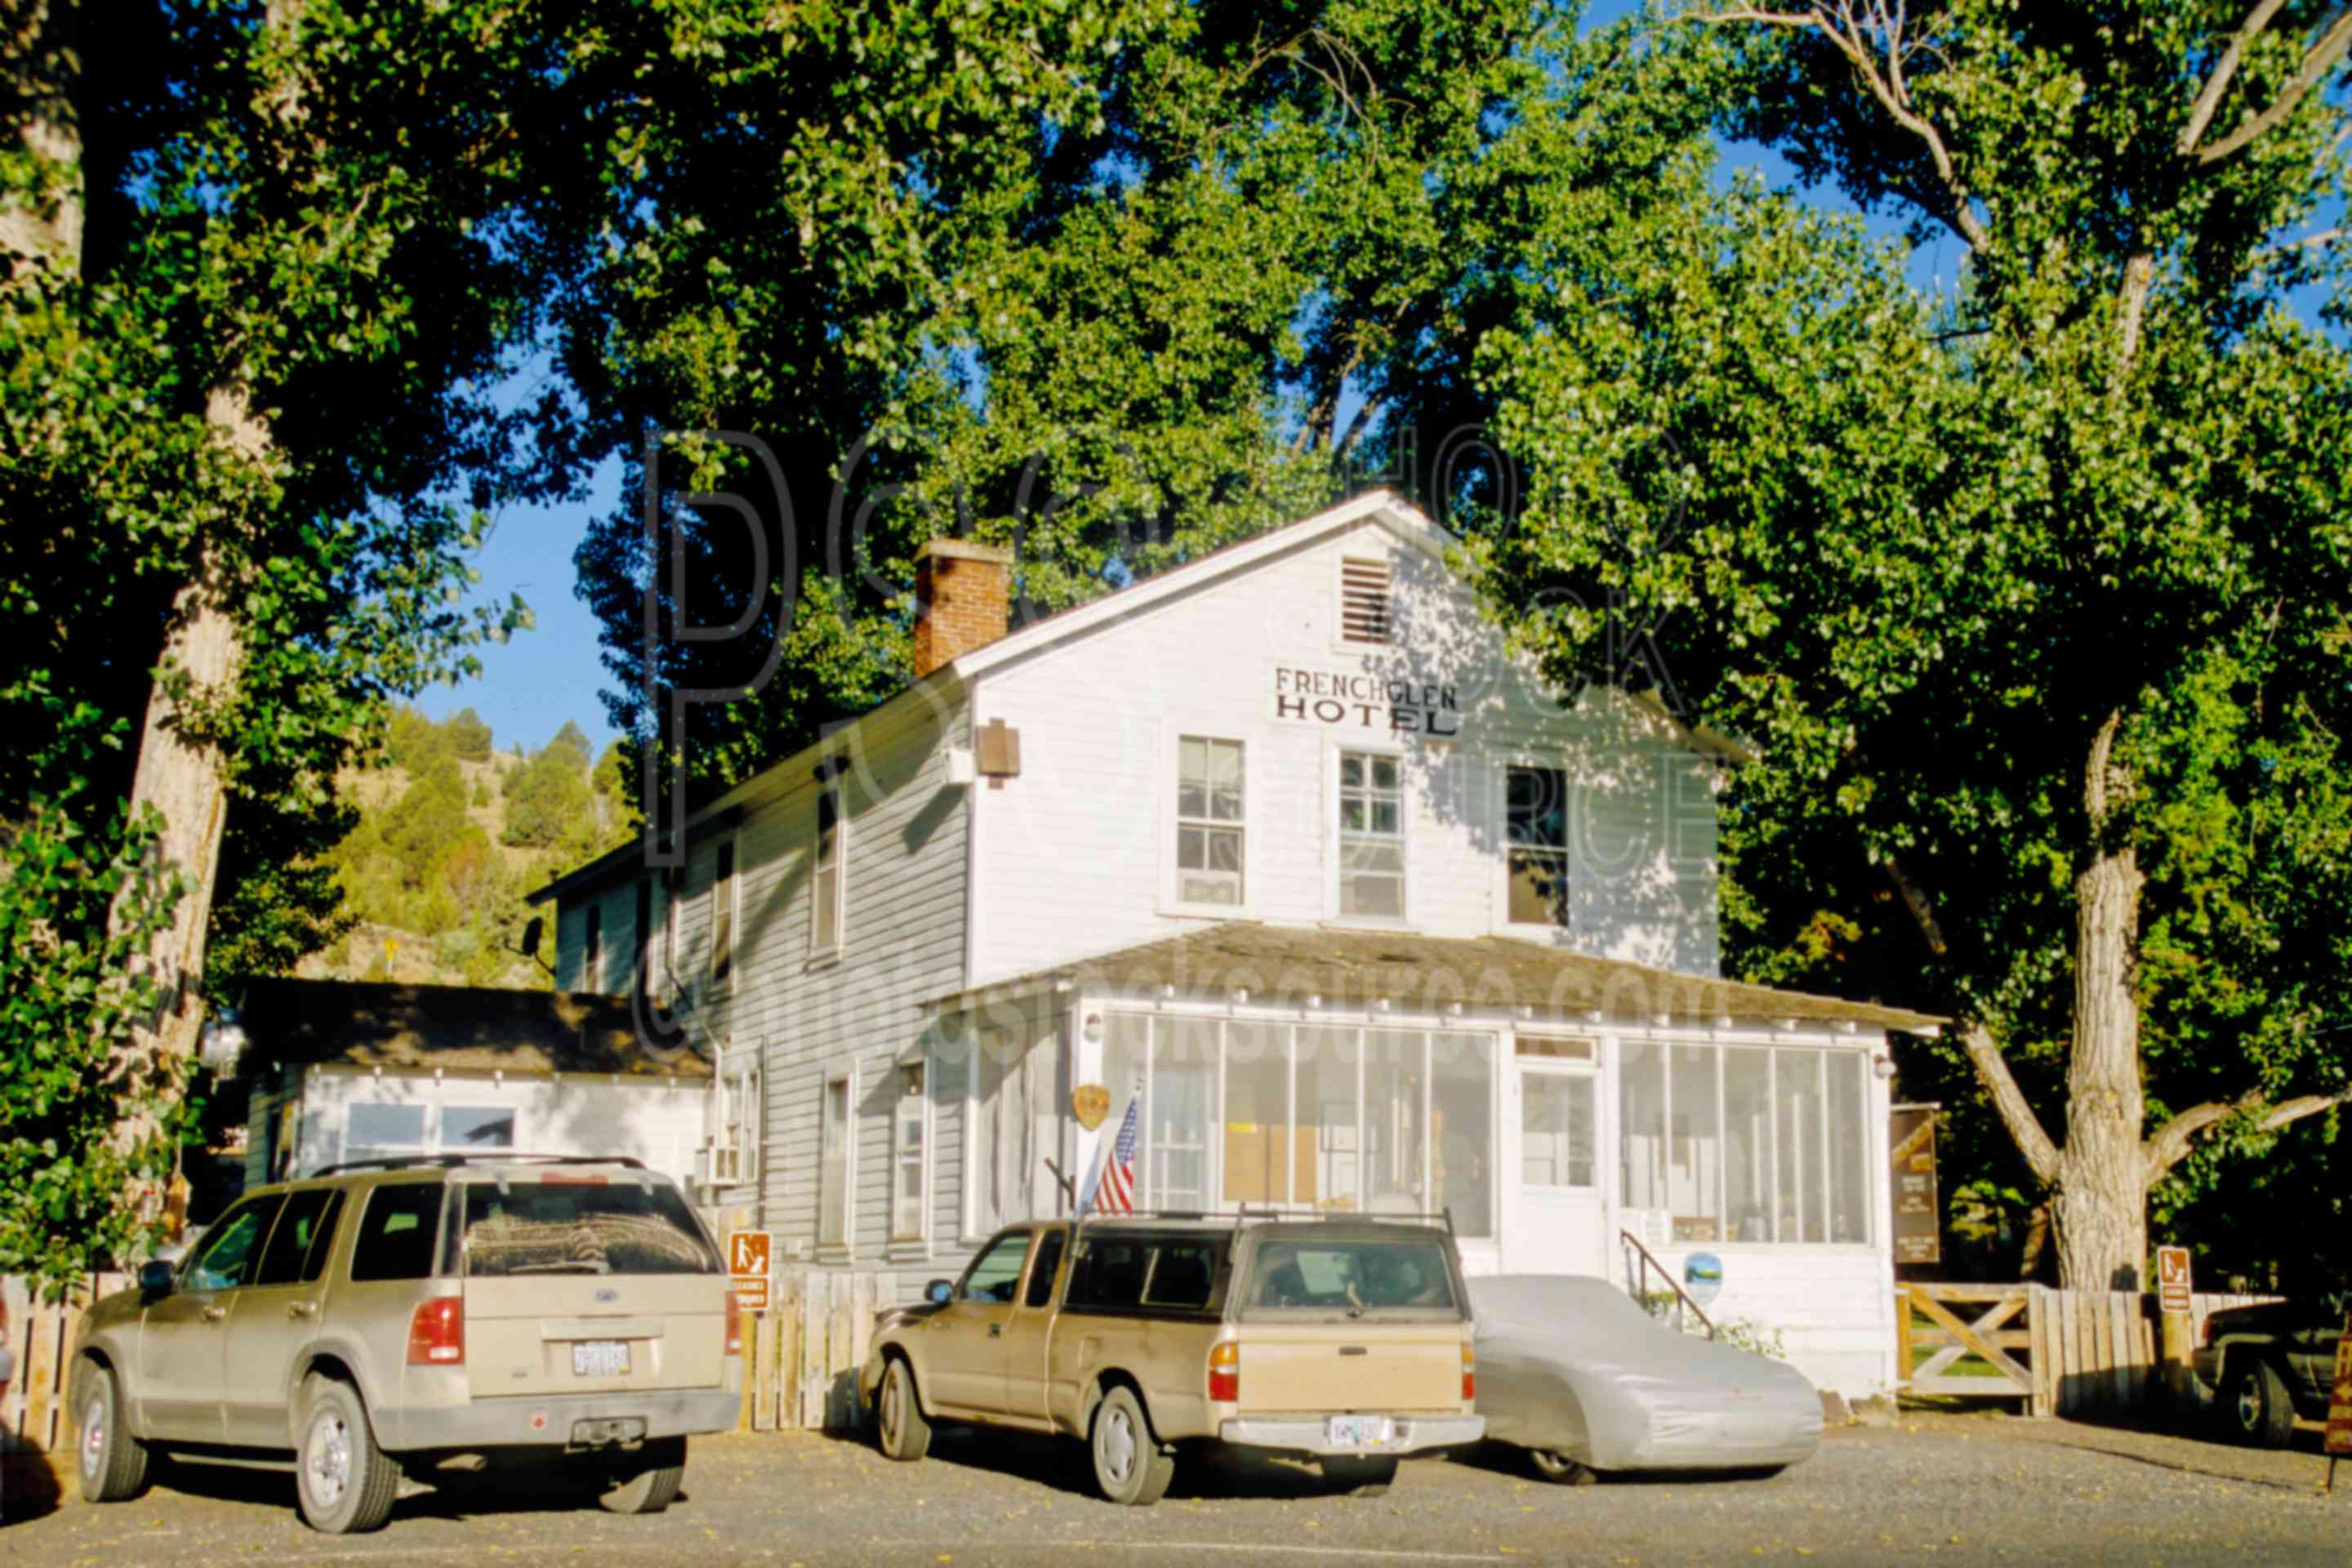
(1360, 701)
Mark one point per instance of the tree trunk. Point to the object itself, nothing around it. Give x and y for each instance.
(2100, 1205)
(41, 231)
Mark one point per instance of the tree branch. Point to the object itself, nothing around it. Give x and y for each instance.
(2170, 1144)
(2224, 71)
(2334, 37)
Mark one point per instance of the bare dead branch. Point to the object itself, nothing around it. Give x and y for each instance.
(2334, 37)
(2170, 1144)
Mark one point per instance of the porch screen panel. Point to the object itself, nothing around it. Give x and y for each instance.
(1184, 1107)
(1748, 1142)
(1259, 1148)
(1803, 1206)
(1848, 1190)
(1555, 1115)
(1641, 1124)
(1695, 1149)
(1328, 1113)
(1396, 1135)
(1462, 1129)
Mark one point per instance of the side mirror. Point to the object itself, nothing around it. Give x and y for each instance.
(939, 1292)
(155, 1277)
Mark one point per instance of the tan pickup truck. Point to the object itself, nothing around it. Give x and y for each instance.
(1346, 1341)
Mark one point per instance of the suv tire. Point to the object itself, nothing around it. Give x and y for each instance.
(654, 1485)
(1560, 1469)
(343, 1482)
(1131, 1467)
(113, 1463)
(901, 1429)
(2257, 1405)
(1365, 1477)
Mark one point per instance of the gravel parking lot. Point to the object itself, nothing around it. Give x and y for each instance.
(1959, 1490)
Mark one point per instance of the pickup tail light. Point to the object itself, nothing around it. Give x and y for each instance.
(437, 1332)
(1469, 1375)
(1225, 1374)
(734, 1324)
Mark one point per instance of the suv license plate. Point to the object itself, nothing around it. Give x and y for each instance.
(1355, 1431)
(599, 1358)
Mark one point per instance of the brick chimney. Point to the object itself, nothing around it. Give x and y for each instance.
(962, 600)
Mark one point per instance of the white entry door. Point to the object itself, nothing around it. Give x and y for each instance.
(1558, 1223)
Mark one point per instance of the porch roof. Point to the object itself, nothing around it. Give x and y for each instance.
(1420, 974)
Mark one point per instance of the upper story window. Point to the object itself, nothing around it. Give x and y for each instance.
(1372, 835)
(824, 934)
(722, 915)
(1363, 601)
(1209, 829)
(591, 951)
(1535, 814)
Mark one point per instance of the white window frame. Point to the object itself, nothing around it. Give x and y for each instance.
(1336, 758)
(1170, 822)
(915, 1242)
(1340, 641)
(825, 946)
(734, 890)
(1503, 768)
(430, 1139)
(673, 893)
(735, 1102)
(840, 1205)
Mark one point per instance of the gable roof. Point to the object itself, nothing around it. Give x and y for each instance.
(468, 1028)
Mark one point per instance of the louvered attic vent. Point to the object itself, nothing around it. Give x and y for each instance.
(1363, 601)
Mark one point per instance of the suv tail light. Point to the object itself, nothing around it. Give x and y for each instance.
(734, 1324)
(1469, 1375)
(1226, 1372)
(437, 1332)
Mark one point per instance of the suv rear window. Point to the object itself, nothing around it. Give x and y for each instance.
(580, 1225)
(1349, 1276)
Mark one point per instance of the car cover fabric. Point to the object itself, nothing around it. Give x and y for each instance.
(1574, 1365)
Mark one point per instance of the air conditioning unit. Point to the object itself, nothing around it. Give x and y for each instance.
(722, 1167)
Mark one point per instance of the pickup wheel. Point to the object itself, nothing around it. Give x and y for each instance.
(2259, 1409)
(652, 1484)
(113, 1463)
(900, 1430)
(1130, 1467)
(342, 1481)
(1560, 1469)
(1363, 1477)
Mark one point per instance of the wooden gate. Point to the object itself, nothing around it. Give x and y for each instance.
(802, 1355)
(1968, 1333)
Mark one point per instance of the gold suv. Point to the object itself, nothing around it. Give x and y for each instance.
(1343, 1340)
(395, 1315)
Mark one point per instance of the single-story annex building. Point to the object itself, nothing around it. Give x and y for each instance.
(1281, 846)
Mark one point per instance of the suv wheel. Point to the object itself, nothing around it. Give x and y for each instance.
(344, 1483)
(900, 1428)
(1560, 1469)
(113, 1463)
(2261, 1411)
(652, 1486)
(1130, 1466)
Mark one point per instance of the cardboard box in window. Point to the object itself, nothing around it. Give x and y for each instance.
(1254, 1162)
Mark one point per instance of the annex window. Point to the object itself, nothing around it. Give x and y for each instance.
(910, 1139)
(825, 932)
(1209, 823)
(1363, 601)
(836, 1161)
(383, 1132)
(470, 1127)
(591, 951)
(722, 914)
(735, 1138)
(1372, 835)
(1534, 816)
(1747, 1143)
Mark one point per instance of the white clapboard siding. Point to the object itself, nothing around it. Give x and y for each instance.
(1073, 855)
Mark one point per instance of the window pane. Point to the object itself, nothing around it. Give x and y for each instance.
(996, 1273)
(1537, 807)
(233, 1246)
(1041, 1272)
(1385, 772)
(1850, 1206)
(1695, 1163)
(1538, 883)
(290, 1244)
(383, 1126)
(1326, 1113)
(1394, 1137)
(397, 1232)
(1182, 1106)
(1259, 1149)
(1642, 1125)
(467, 1127)
(1461, 1102)
(1191, 848)
(1748, 1142)
(1803, 1206)
(1351, 771)
(1225, 781)
(1109, 1273)
(556, 1227)
(1182, 1274)
(1556, 1129)
(1225, 851)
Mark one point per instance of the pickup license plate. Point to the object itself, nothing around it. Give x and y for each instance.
(599, 1358)
(1357, 1431)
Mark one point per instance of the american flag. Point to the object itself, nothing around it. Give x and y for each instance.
(1115, 1188)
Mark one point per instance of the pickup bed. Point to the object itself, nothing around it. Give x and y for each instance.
(1346, 1341)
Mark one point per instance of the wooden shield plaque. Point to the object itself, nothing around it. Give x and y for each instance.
(1090, 1102)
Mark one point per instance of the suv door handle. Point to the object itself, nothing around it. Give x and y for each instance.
(214, 1314)
(302, 1310)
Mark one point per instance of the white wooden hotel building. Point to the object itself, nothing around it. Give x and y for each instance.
(1280, 841)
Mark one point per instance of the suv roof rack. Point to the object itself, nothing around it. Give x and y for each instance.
(457, 1162)
(1243, 1213)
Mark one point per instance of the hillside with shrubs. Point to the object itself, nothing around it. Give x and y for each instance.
(451, 834)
